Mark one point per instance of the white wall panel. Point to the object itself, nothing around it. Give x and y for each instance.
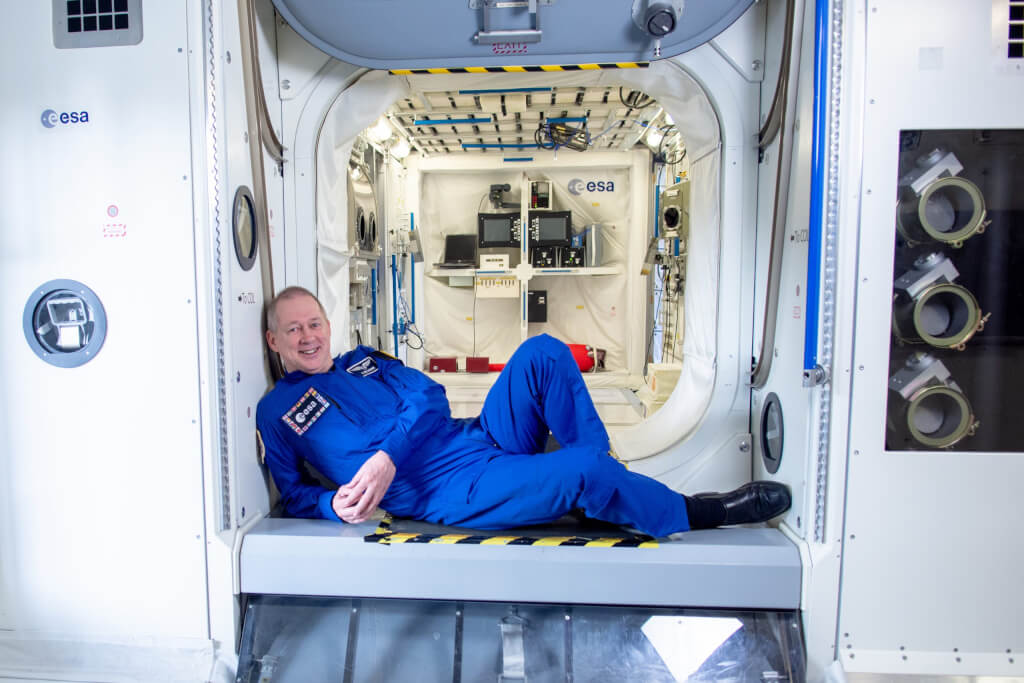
(100, 466)
(931, 566)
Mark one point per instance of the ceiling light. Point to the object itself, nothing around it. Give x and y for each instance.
(381, 131)
(654, 137)
(400, 149)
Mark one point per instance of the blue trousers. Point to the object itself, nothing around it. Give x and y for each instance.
(541, 390)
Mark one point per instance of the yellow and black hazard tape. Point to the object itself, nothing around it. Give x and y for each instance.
(520, 69)
(385, 536)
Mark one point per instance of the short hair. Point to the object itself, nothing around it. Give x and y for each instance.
(292, 292)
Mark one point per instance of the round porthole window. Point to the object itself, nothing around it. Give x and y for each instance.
(772, 433)
(64, 323)
(243, 227)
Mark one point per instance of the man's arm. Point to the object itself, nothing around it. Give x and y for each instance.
(423, 407)
(301, 495)
(356, 500)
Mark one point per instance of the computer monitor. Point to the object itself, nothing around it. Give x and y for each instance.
(498, 229)
(550, 228)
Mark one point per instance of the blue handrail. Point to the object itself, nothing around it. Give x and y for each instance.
(373, 296)
(816, 224)
(412, 273)
(394, 301)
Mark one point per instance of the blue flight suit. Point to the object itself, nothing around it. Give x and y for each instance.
(487, 472)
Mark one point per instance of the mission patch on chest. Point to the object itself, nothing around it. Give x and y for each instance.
(305, 412)
(367, 366)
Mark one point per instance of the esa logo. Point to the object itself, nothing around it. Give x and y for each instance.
(577, 186)
(50, 118)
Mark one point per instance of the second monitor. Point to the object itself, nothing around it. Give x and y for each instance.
(550, 228)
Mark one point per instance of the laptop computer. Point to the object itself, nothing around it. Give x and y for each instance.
(459, 251)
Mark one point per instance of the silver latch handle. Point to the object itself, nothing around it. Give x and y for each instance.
(490, 35)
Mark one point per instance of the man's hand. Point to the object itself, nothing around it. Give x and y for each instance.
(356, 500)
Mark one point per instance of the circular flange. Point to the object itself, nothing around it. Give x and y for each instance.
(772, 433)
(939, 416)
(244, 227)
(64, 323)
(946, 315)
(951, 209)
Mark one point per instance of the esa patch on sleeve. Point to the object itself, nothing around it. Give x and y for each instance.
(307, 411)
(366, 366)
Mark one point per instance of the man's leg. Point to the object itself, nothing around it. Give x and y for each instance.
(519, 490)
(541, 389)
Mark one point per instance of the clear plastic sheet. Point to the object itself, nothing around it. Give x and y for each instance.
(308, 639)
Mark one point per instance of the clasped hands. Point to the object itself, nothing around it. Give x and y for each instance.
(356, 500)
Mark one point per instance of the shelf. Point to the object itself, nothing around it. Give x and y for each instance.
(593, 270)
(536, 272)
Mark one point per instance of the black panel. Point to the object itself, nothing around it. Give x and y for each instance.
(989, 367)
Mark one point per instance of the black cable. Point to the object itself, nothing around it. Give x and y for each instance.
(661, 149)
(538, 137)
(410, 329)
(635, 99)
(657, 312)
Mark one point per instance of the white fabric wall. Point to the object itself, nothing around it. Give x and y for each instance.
(356, 108)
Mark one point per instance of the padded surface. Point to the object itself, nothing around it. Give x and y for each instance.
(752, 568)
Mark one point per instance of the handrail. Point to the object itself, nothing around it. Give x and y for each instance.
(267, 135)
(773, 123)
(254, 125)
(818, 162)
(795, 12)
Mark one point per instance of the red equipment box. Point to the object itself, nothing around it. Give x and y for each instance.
(477, 364)
(443, 364)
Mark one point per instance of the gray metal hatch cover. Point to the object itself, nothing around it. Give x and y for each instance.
(414, 34)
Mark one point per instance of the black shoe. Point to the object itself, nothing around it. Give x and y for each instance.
(758, 501)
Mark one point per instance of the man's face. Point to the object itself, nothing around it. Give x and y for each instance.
(303, 336)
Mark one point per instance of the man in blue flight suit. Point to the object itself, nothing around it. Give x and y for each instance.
(386, 431)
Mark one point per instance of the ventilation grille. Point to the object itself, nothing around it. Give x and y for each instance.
(1015, 32)
(96, 23)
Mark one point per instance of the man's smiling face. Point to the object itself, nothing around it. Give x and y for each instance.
(303, 335)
